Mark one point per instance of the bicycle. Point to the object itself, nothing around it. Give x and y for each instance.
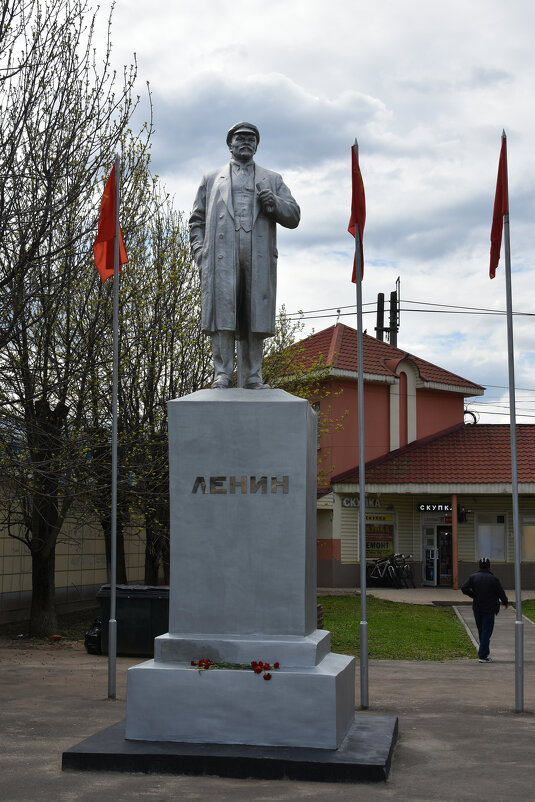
(404, 570)
(383, 572)
(393, 570)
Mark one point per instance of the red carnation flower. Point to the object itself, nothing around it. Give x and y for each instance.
(266, 666)
(267, 676)
(254, 664)
(258, 670)
(275, 665)
(193, 663)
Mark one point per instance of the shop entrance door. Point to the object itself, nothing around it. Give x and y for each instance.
(430, 556)
(437, 563)
(445, 562)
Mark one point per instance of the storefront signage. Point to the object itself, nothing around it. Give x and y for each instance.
(353, 501)
(434, 507)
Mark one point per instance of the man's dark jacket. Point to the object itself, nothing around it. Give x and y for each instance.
(486, 591)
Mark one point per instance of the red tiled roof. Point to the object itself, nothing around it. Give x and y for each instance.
(465, 454)
(338, 346)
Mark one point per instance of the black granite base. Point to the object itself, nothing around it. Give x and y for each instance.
(364, 755)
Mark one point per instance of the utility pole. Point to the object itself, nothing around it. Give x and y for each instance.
(393, 322)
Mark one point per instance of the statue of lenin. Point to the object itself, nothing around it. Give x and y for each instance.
(233, 239)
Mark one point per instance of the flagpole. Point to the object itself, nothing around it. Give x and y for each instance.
(362, 477)
(112, 626)
(519, 624)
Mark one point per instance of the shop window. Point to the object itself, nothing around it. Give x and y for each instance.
(528, 540)
(491, 536)
(379, 536)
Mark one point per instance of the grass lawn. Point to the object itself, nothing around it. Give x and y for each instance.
(396, 631)
(528, 609)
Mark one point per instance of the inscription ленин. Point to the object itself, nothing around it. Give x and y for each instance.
(221, 485)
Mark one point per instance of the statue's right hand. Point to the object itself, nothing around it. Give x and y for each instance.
(267, 200)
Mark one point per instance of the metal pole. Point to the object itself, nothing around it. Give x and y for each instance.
(362, 478)
(519, 624)
(112, 625)
(455, 541)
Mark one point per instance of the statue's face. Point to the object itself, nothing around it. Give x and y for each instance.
(243, 146)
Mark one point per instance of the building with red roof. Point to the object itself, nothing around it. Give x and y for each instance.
(437, 488)
(406, 398)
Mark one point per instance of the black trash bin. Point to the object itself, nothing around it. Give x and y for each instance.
(142, 613)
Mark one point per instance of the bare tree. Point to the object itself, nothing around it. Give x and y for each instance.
(68, 115)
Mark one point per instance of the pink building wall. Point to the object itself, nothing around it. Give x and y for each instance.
(339, 438)
(437, 411)
(338, 452)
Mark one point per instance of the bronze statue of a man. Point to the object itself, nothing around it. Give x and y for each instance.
(233, 239)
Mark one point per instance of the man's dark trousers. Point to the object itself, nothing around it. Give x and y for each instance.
(485, 627)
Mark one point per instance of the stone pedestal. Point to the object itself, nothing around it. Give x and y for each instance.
(243, 583)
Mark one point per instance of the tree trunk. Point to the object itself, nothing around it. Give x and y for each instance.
(157, 543)
(46, 427)
(152, 562)
(43, 617)
(152, 551)
(105, 521)
(165, 561)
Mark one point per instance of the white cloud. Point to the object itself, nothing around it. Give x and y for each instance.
(426, 86)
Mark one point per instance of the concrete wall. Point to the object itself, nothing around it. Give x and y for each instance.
(80, 569)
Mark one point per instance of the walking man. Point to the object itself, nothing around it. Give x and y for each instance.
(233, 239)
(487, 592)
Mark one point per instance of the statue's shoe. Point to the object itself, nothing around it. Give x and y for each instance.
(222, 383)
(257, 386)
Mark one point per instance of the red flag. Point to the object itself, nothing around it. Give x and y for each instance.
(103, 246)
(358, 209)
(501, 207)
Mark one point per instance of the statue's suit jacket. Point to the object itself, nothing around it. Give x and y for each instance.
(213, 241)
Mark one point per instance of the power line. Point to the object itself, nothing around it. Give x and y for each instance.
(468, 308)
(504, 414)
(504, 387)
(437, 308)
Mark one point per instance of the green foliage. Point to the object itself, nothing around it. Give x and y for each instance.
(396, 631)
(528, 609)
(285, 361)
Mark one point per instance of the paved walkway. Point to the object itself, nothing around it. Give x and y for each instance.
(502, 643)
(460, 738)
(427, 595)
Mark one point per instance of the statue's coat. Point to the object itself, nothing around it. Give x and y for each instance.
(213, 241)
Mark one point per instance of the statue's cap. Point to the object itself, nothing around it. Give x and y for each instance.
(243, 127)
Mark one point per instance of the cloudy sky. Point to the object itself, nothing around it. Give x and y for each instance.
(427, 87)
